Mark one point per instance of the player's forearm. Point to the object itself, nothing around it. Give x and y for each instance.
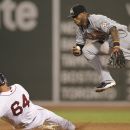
(115, 36)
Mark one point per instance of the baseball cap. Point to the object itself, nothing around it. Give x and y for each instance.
(76, 10)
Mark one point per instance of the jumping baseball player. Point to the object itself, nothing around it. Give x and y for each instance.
(18, 110)
(92, 31)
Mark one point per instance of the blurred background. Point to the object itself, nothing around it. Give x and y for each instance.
(36, 38)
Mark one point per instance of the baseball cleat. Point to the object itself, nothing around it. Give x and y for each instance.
(103, 86)
(50, 127)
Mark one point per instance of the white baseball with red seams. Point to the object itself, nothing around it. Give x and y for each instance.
(78, 48)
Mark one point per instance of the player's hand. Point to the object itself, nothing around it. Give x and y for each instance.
(76, 50)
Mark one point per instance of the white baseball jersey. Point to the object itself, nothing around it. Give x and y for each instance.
(16, 108)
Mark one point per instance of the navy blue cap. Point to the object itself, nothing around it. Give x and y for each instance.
(76, 10)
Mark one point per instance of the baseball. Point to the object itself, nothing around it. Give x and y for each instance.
(78, 48)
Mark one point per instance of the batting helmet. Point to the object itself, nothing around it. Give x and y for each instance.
(2, 79)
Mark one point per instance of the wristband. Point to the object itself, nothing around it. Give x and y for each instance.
(116, 43)
(116, 46)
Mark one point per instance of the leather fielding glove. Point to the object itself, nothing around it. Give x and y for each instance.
(117, 59)
(76, 50)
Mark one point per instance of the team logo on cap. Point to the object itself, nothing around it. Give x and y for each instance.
(71, 11)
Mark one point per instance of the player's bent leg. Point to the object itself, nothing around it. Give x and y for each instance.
(90, 53)
(57, 120)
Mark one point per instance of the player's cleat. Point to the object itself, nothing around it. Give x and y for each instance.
(50, 127)
(103, 86)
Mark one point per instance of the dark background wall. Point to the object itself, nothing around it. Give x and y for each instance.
(26, 49)
(114, 9)
(25, 53)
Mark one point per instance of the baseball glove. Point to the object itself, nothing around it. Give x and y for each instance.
(117, 59)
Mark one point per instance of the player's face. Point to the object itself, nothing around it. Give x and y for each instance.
(81, 19)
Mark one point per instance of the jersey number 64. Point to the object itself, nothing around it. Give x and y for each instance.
(17, 109)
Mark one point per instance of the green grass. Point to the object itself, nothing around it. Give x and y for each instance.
(105, 116)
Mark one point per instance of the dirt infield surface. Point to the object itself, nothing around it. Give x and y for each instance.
(88, 125)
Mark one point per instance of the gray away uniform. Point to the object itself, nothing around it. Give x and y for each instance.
(92, 47)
